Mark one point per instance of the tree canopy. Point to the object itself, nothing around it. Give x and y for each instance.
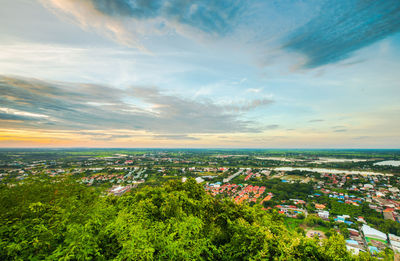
(42, 220)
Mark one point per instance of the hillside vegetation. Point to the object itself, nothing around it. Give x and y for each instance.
(42, 220)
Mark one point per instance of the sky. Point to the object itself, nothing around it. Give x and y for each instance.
(200, 74)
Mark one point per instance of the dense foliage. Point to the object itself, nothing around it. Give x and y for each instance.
(179, 221)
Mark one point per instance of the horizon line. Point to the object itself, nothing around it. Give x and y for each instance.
(210, 148)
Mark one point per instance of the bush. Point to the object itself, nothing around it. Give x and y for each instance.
(301, 216)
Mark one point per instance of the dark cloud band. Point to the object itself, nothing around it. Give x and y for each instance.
(343, 27)
(90, 107)
(208, 16)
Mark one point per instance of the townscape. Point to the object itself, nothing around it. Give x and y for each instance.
(317, 193)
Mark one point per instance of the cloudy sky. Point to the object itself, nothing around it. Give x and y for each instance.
(184, 73)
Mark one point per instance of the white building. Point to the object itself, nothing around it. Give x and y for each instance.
(323, 214)
(373, 233)
(368, 186)
(199, 179)
(395, 242)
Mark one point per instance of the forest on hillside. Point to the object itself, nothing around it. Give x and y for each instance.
(63, 220)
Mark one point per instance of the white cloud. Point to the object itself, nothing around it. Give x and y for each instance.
(84, 13)
(254, 90)
(22, 113)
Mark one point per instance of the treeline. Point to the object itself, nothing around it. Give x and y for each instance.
(42, 220)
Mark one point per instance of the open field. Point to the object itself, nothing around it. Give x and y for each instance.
(333, 171)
